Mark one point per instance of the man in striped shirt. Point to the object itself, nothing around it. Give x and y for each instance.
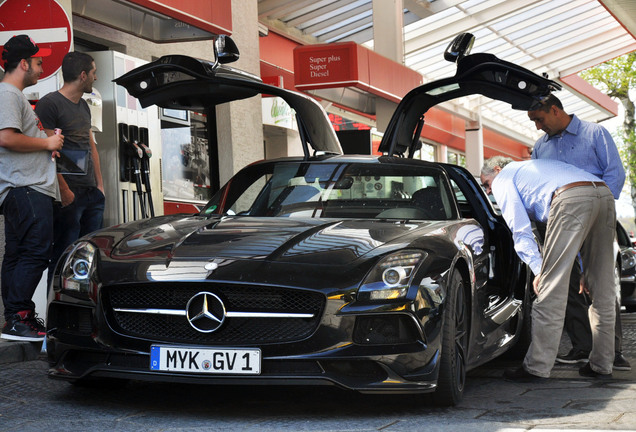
(580, 215)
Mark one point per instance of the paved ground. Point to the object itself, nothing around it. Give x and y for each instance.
(566, 402)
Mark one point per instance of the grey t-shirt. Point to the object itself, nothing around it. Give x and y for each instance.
(56, 111)
(18, 169)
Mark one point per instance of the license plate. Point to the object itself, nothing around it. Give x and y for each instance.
(244, 361)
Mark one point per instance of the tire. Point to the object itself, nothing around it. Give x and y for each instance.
(452, 373)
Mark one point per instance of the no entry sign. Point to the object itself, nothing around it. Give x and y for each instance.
(45, 21)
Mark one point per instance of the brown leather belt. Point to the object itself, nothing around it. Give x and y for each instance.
(577, 184)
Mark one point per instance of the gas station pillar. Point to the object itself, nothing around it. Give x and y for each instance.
(239, 137)
(474, 146)
(388, 41)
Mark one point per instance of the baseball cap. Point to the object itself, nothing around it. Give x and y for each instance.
(22, 47)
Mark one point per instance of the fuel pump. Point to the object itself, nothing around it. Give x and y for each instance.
(124, 152)
(136, 154)
(116, 148)
(145, 167)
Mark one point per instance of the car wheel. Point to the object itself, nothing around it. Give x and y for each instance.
(452, 373)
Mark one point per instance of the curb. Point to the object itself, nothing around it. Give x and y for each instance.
(16, 351)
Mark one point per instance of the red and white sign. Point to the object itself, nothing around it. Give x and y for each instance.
(45, 22)
(347, 64)
(329, 66)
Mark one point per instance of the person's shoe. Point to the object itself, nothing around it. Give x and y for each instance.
(574, 356)
(24, 326)
(521, 375)
(37, 323)
(621, 363)
(587, 371)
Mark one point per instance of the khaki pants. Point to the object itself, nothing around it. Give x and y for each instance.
(581, 218)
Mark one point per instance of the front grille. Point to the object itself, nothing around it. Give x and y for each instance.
(384, 330)
(235, 330)
(72, 319)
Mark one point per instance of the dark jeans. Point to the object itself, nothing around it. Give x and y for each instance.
(83, 216)
(577, 323)
(28, 228)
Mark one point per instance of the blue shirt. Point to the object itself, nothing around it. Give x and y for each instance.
(588, 146)
(524, 191)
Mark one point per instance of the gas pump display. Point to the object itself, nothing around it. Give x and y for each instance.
(186, 174)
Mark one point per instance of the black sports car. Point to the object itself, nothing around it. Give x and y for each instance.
(377, 274)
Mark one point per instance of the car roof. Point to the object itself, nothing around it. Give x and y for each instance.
(353, 158)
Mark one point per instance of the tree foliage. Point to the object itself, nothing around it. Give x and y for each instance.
(616, 77)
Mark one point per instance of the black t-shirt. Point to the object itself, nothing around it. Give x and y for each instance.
(56, 111)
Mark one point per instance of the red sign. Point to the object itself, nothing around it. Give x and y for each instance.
(348, 64)
(274, 80)
(45, 22)
(339, 123)
(328, 65)
(214, 16)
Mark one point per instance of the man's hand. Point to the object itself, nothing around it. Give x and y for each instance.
(535, 284)
(583, 289)
(67, 197)
(54, 142)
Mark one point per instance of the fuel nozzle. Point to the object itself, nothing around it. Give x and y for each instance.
(147, 153)
(136, 149)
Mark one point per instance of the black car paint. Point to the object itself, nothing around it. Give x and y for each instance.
(86, 336)
(128, 253)
(627, 262)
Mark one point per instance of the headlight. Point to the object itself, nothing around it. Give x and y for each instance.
(391, 277)
(628, 259)
(78, 268)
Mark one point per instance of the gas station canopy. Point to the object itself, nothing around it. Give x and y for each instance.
(559, 38)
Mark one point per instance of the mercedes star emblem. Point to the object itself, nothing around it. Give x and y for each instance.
(205, 312)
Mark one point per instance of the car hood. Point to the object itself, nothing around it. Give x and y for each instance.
(312, 241)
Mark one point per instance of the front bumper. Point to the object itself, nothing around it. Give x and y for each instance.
(628, 290)
(365, 374)
(81, 345)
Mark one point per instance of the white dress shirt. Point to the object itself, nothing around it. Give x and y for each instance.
(524, 191)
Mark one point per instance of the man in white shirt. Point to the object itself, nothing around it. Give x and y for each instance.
(580, 215)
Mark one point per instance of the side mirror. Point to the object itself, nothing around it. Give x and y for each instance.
(459, 47)
(225, 49)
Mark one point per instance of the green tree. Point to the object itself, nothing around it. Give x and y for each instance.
(616, 77)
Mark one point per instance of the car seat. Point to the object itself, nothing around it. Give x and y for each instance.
(429, 199)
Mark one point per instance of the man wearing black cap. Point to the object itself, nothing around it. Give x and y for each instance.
(28, 187)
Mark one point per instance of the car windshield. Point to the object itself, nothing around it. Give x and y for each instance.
(336, 190)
